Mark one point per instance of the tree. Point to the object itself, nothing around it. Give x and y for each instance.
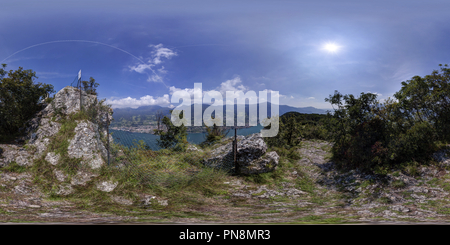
(427, 99)
(159, 116)
(175, 137)
(90, 86)
(20, 98)
(214, 134)
(368, 133)
(291, 131)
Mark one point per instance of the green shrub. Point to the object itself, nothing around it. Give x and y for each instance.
(22, 96)
(174, 138)
(369, 135)
(214, 134)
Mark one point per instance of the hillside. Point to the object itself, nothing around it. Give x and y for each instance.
(308, 190)
(145, 115)
(63, 174)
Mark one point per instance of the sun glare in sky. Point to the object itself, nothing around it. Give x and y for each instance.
(331, 47)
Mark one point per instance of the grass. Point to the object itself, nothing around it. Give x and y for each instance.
(310, 218)
(269, 212)
(318, 219)
(181, 179)
(443, 210)
(14, 167)
(398, 184)
(384, 200)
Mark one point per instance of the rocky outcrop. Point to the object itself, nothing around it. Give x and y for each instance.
(40, 139)
(251, 156)
(14, 153)
(67, 101)
(84, 143)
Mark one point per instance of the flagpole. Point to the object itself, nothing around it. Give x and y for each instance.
(79, 82)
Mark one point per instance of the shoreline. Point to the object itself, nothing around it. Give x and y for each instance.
(149, 130)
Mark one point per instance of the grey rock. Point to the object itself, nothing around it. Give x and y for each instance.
(52, 158)
(400, 208)
(241, 194)
(265, 164)
(13, 153)
(121, 200)
(87, 145)
(64, 190)
(365, 212)
(388, 213)
(60, 176)
(148, 200)
(264, 192)
(418, 197)
(250, 157)
(81, 178)
(442, 157)
(22, 188)
(293, 192)
(193, 148)
(107, 186)
(46, 130)
(163, 202)
(67, 101)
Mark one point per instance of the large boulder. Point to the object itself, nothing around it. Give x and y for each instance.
(251, 157)
(67, 101)
(13, 153)
(86, 144)
(40, 139)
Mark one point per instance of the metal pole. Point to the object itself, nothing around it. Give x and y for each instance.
(236, 167)
(80, 94)
(107, 134)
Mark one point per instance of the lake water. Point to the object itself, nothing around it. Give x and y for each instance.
(127, 138)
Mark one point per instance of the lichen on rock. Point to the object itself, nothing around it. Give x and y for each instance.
(86, 144)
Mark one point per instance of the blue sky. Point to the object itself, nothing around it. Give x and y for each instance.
(140, 52)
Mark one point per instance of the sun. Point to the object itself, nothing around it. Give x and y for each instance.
(331, 47)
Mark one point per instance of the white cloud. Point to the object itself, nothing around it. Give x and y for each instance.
(189, 90)
(233, 85)
(161, 52)
(162, 70)
(135, 103)
(141, 68)
(310, 98)
(156, 59)
(230, 85)
(378, 95)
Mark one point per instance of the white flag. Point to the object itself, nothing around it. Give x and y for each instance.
(79, 75)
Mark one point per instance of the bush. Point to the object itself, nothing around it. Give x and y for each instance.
(175, 137)
(214, 134)
(370, 135)
(289, 133)
(20, 98)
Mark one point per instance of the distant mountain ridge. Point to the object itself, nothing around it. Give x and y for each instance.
(147, 112)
